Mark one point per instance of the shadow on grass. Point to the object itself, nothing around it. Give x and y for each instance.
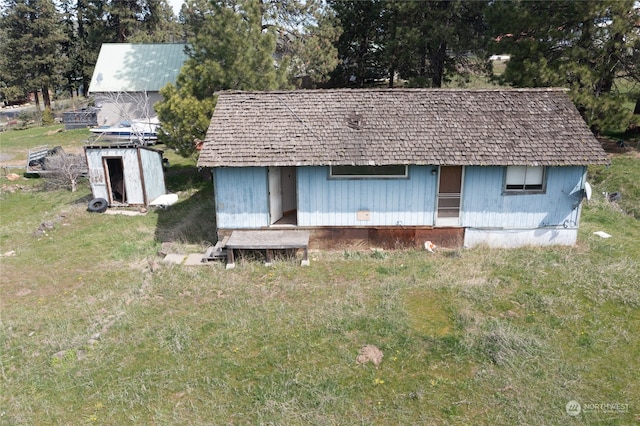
(83, 199)
(191, 221)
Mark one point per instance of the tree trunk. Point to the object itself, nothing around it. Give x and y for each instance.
(45, 97)
(605, 83)
(394, 47)
(36, 98)
(437, 64)
(85, 85)
(636, 110)
(364, 47)
(422, 69)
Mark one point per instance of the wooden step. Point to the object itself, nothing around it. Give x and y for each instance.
(216, 252)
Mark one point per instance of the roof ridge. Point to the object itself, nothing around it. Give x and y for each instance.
(397, 90)
(148, 44)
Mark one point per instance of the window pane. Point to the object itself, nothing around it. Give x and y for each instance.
(523, 178)
(534, 176)
(515, 176)
(351, 171)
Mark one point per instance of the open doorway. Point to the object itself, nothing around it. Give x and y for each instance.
(282, 196)
(114, 169)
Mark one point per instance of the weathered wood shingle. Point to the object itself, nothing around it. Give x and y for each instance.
(398, 126)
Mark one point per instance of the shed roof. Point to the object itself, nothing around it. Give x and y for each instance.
(126, 67)
(398, 126)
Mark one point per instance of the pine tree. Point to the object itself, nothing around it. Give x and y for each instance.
(157, 24)
(585, 46)
(33, 60)
(421, 42)
(228, 50)
(361, 42)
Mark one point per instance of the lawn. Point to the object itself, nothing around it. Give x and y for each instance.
(95, 330)
(15, 144)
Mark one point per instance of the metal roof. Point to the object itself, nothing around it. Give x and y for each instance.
(398, 126)
(126, 67)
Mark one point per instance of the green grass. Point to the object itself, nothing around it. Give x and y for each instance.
(17, 143)
(95, 331)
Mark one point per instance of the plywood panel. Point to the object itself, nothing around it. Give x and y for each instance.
(450, 179)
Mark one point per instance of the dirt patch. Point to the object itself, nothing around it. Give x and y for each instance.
(6, 157)
(370, 353)
(11, 188)
(619, 146)
(23, 292)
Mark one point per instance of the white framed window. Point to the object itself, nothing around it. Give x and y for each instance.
(369, 172)
(524, 179)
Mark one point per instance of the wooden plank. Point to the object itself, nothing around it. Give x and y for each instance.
(268, 239)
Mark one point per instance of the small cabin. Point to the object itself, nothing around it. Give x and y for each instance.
(399, 167)
(125, 175)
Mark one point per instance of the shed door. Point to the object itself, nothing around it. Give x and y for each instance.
(275, 194)
(114, 171)
(449, 196)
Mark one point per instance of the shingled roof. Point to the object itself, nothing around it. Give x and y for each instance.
(398, 126)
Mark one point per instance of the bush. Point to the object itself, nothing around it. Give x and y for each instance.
(47, 117)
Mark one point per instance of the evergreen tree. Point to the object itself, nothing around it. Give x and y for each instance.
(360, 44)
(123, 18)
(441, 39)
(306, 32)
(422, 42)
(158, 24)
(33, 60)
(584, 46)
(75, 32)
(313, 55)
(228, 50)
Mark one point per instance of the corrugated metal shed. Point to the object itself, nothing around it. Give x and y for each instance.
(125, 174)
(126, 67)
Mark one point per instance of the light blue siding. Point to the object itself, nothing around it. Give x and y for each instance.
(151, 165)
(242, 199)
(241, 196)
(390, 202)
(485, 206)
